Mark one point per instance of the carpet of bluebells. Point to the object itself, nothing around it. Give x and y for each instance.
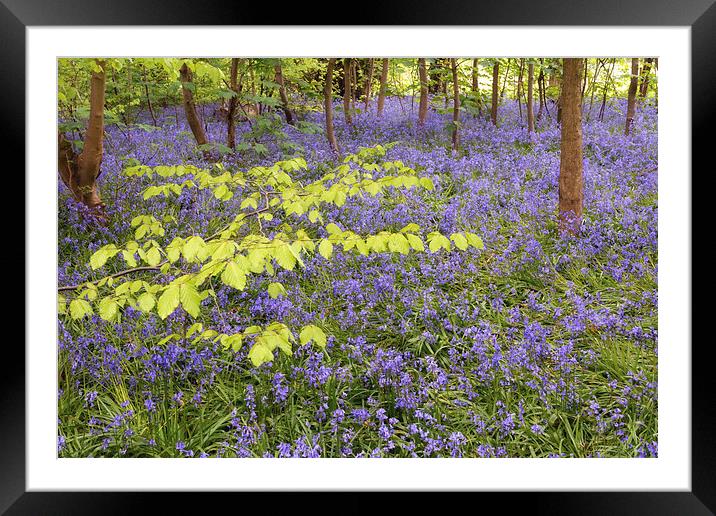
(540, 345)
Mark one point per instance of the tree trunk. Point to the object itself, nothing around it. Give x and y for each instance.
(519, 87)
(354, 84)
(607, 81)
(559, 108)
(540, 91)
(383, 83)
(369, 82)
(282, 92)
(495, 86)
(192, 116)
(456, 107)
(475, 78)
(530, 109)
(233, 101)
(646, 69)
(571, 179)
(423, 108)
(445, 81)
(80, 172)
(476, 85)
(328, 106)
(584, 79)
(146, 93)
(593, 86)
(507, 74)
(252, 78)
(631, 100)
(347, 62)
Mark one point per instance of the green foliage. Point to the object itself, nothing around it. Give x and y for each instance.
(238, 251)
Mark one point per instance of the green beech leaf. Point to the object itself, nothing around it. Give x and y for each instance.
(415, 242)
(427, 183)
(474, 240)
(146, 302)
(108, 309)
(397, 243)
(460, 241)
(326, 249)
(312, 333)
(234, 276)
(284, 256)
(80, 308)
(190, 299)
(276, 289)
(260, 354)
(153, 257)
(168, 301)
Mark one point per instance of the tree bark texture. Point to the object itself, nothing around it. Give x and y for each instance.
(423, 107)
(571, 177)
(631, 99)
(455, 107)
(192, 116)
(347, 72)
(328, 106)
(80, 172)
(530, 108)
(495, 86)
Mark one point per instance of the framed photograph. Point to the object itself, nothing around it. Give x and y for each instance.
(415, 252)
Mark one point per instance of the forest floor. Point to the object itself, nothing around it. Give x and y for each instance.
(539, 345)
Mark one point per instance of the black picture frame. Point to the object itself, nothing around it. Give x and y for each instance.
(700, 15)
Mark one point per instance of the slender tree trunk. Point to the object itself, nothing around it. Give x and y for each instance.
(495, 86)
(423, 108)
(584, 79)
(252, 78)
(446, 63)
(282, 92)
(383, 83)
(369, 82)
(456, 107)
(347, 90)
(354, 85)
(507, 74)
(192, 116)
(80, 172)
(593, 86)
(233, 101)
(530, 109)
(519, 87)
(571, 179)
(631, 100)
(146, 93)
(540, 91)
(606, 90)
(475, 78)
(646, 69)
(130, 92)
(328, 106)
(476, 85)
